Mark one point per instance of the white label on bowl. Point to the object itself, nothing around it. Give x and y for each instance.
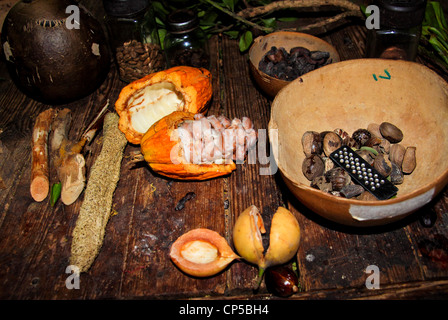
(362, 213)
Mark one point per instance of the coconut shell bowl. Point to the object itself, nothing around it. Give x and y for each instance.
(351, 95)
(287, 40)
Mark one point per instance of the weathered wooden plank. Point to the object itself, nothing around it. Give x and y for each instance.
(431, 242)
(247, 185)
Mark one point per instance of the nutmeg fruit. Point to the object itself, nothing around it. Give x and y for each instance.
(284, 238)
(201, 253)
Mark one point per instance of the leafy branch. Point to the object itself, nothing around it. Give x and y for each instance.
(239, 19)
(434, 39)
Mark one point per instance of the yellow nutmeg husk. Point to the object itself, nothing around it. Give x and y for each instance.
(247, 235)
(284, 239)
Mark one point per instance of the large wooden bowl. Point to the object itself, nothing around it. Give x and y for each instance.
(287, 40)
(350, 95)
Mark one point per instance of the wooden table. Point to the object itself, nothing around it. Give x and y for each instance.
(35, 238)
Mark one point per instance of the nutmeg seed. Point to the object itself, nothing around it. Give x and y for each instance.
(396, 154)
(331, 142)
(409, 160)
(383, 165)
(313, 166)
(311, 143)
(391, 132)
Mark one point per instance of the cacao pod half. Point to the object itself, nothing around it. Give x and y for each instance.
(147, 100)
(162, 149)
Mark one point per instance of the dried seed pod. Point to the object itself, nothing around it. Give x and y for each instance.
(331, 142)
(374, 129)
(201, 253)
(329, 164)
(313, 166)
(373, 142)
(396, 175)
(384, 146)
(361, 136)
(341, 132)
(366, 155)
(311, 143)
(352, 190)
(322, 184)
(383, 165)
(391, 132)
(409, 160)
(396, 153)
(338, 178)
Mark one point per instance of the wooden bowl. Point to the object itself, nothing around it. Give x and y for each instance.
(351, 95)
(287, 40)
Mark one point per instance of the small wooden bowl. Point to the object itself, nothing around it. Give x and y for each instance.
(351, 95)
(287, 40)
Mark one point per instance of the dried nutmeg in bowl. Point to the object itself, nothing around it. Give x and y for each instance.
(278, 58)
(392, 162)
(284, 65)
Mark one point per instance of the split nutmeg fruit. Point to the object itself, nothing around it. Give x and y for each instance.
(284, 238)
(201, 253)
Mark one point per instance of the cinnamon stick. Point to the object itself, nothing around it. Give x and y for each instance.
(40, 182)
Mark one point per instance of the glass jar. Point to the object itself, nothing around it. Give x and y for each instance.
(399, 32)
(185, 43)
(133, 38)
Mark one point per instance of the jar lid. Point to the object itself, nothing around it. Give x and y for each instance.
(182, 21)
(401, 13)
(125, 8)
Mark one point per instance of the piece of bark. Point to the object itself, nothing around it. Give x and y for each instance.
(40, 182)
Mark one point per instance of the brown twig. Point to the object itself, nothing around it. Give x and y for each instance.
(327, 21)
(296, 4)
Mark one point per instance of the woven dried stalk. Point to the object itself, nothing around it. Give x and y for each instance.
(88, 234)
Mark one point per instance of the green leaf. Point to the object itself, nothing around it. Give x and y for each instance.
(232, 34)
(209, 19)
(245, 41)
(55, 193)
(230, 4)
(162, 34)
(270, 23)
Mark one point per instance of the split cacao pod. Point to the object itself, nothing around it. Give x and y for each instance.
(145, 101)
(162, 150)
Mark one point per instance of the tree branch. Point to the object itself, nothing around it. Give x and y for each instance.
(297, 4)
